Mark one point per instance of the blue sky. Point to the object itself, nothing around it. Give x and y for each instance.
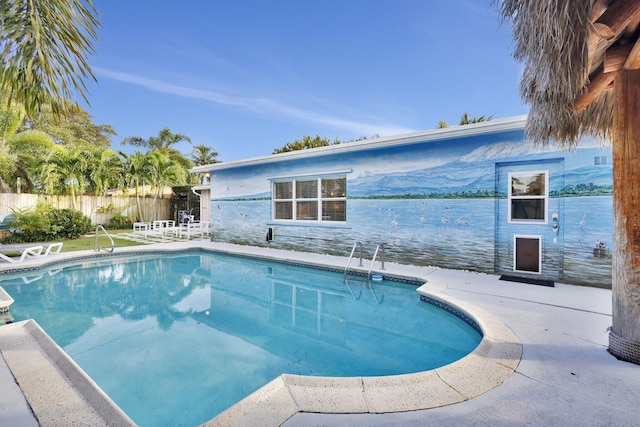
(247, 76)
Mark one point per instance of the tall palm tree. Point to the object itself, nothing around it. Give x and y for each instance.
(44, 48)
(164, 143)
(105, 170)
(163, 172)
(136, 173)
(203, 155)
(69, 167)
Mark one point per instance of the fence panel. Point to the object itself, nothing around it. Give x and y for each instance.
(99, 208)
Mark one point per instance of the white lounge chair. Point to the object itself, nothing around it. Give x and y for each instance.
(31, 252)
(53, 248)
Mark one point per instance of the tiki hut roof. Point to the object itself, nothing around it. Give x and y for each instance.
(572, 51)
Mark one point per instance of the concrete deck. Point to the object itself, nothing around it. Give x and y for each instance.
(565, 376)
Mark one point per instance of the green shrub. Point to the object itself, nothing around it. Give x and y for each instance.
(46, 224)
(119, 219)
(69, 223)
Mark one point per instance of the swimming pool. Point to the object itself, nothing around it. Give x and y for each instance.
(162, 348)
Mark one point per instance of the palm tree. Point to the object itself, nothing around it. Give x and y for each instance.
(136, 173)
(163, 143)
(105, 170)
(69, 167)
(163, 172)
(19, 149)
(27, 149)
(45, 44)
(466, 120)
(203, 155)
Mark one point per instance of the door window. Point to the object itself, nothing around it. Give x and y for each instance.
(528, 197)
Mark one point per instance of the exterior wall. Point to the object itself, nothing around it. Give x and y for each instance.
(205, 206)
(437, 200)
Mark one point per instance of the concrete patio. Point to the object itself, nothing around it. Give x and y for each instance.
(565, 377)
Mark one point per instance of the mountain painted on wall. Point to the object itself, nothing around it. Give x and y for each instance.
(471, 173)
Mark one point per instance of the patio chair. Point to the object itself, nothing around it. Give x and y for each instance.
(31, 252)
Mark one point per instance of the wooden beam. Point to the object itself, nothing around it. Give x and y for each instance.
(625, 141)
(619, 15)
(633, 59)
(598, 8)
(597, 32)
(615, 58)
(598, 85)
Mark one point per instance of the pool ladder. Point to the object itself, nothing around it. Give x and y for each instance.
(97, 247)
(358, 245)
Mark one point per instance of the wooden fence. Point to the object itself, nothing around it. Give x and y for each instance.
(99, 208)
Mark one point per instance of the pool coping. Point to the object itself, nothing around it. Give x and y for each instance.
(489, 365)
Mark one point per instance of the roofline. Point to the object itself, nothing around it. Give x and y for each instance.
(492, 126)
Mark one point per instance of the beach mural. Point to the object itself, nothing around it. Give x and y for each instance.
(434, 202)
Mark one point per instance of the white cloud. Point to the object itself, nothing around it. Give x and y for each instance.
(258, 105)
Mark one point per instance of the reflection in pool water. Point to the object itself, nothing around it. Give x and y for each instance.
(176, 339)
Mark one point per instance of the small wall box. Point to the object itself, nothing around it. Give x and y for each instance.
(599, 252)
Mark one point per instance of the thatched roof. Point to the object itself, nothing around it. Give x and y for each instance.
(572, 51)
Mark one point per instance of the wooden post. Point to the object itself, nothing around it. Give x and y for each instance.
(624, 336)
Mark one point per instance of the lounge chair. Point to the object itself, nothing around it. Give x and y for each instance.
(29, 250)
(32, 252)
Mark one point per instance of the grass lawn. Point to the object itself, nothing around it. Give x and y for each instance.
(88, 242)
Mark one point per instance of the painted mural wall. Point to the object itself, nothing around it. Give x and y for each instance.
(430, 203)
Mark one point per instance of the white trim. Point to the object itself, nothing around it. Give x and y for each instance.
(340, 173)
(492, 126)
(528, 236)
(544, 197)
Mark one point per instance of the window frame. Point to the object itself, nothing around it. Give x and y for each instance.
(542, 197)
(298, 200)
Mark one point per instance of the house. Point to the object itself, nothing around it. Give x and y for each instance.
(477, 197)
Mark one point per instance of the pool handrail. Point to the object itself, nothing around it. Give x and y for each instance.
(98, 248)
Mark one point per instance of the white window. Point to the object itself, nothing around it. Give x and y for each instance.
(528, 197)
(319, 199)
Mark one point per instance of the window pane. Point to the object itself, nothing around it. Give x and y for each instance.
(307, 189)
(284, 210)
(334, 210)
(307, 210)
(283, 190)
(336, 187)
(527, 209)
(529, 184)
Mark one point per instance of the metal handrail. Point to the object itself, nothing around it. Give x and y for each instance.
(96, 247)
(355, 246)
(375, 254)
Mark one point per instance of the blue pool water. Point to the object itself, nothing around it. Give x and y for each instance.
(176, 339)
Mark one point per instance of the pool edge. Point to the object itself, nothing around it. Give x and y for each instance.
(56, 389)
(492, 362)
(489, 365)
